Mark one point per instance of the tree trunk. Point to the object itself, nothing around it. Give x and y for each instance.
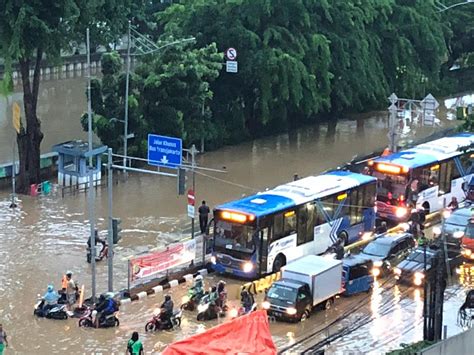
(29, 139)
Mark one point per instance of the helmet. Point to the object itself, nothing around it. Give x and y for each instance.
(244, 293)
(109, 295)
(198, 278)
(167, 298)
(221, 282)
(50, 288)
(213, 289)
(102, 298)
(68, 273)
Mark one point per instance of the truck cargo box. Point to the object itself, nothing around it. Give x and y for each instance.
(323, 275)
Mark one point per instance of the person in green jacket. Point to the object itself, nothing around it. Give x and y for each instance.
(134, 345)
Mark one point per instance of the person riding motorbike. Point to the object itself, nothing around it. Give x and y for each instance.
(198, 287)
(213, 296)
(221, 293)
(246, 300)
(166, 311)
(50, 298)
(106, 306)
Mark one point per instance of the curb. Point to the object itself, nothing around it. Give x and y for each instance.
(188, 278)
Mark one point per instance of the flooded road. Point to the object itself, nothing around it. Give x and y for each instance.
(47, 235)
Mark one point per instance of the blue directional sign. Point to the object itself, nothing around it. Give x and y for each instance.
(164, 151)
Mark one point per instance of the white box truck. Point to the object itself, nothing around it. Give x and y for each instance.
(305, 284)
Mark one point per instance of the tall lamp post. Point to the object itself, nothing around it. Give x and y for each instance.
(143, 46)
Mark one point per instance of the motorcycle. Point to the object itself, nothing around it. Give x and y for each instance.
(155, 322)
(238, 312)
(99, 256)
(108, 321)
(191, 301)
(56, 311)
(208, 311)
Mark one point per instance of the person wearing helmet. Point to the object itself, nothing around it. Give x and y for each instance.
(198, 287)
(166, 310)
(50, 299)
(106, 306)
(246, 300)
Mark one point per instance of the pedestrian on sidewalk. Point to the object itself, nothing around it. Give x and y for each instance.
(203, 216)
(134, 345)
(3, 340)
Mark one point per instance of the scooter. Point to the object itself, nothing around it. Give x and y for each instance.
(56, 311)
(108, 321)
(191, 301)
(155, 322)
(208, 311)
(104, 251)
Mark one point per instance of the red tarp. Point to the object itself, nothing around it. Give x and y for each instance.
(248, 334)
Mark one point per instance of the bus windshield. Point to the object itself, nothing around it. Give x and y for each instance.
(234, 236)
(391, 188)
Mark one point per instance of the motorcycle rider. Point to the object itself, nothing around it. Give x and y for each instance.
(106, 306)
(247, 301)
(166, 311)
(50, 298)
(198, 287)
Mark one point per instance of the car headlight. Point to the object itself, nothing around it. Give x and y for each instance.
(419, 275)
(446, 213)
(397, 271)
(203, 307)
(266, 305)
(417, 282)
(400, 212)
(291, 311)
(468, 252)
(247, 267)
(378, 263)
(375, 271)
(213, 260)
(458, 234)
(436, 230)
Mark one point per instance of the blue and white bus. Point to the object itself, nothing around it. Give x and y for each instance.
(423, 176)
(259, 234)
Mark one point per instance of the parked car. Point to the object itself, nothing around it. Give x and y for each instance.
(305, 284)
(387, 251)
(356, 275)
(412, 269)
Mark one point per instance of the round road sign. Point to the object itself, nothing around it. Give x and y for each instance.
(231, 53)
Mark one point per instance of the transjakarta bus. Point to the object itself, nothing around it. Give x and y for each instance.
(422, 176)
(259, 234)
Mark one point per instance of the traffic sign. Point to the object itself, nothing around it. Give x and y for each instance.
(191, 211)
(16, 117)
(164, 151)
(191, 197)
(393, 98)
(231, 66)
(231, 53)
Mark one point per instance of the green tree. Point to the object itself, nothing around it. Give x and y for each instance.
(31, 31)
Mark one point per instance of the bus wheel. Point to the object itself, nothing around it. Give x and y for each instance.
(344, 237)
(279, 262)
(426, 206)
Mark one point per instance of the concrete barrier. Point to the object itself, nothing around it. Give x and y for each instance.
(173, 283)
(459, 344)
(142, 294)
(157, 289)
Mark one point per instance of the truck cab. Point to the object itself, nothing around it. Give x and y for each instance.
(288, 299)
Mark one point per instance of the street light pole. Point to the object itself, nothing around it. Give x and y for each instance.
(127, 79)
(110, 240)
(91, 169)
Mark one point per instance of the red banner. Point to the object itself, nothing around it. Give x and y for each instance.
(151, 265)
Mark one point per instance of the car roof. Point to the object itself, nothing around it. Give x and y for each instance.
(290, 283)
(355, 260)
(392, 238)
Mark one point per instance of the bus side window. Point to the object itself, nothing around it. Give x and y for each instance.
(278, 227)
(445, 178)
(302, 221)
(289, 223)
(465, 162)
(455, 173)
(354, 209)
(310, 223)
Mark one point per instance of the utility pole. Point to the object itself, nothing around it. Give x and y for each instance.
(193, 164)
(392, 119)
(13, 204)
(91, 169)
(110, 240)
(127, 79)
(425, 294)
